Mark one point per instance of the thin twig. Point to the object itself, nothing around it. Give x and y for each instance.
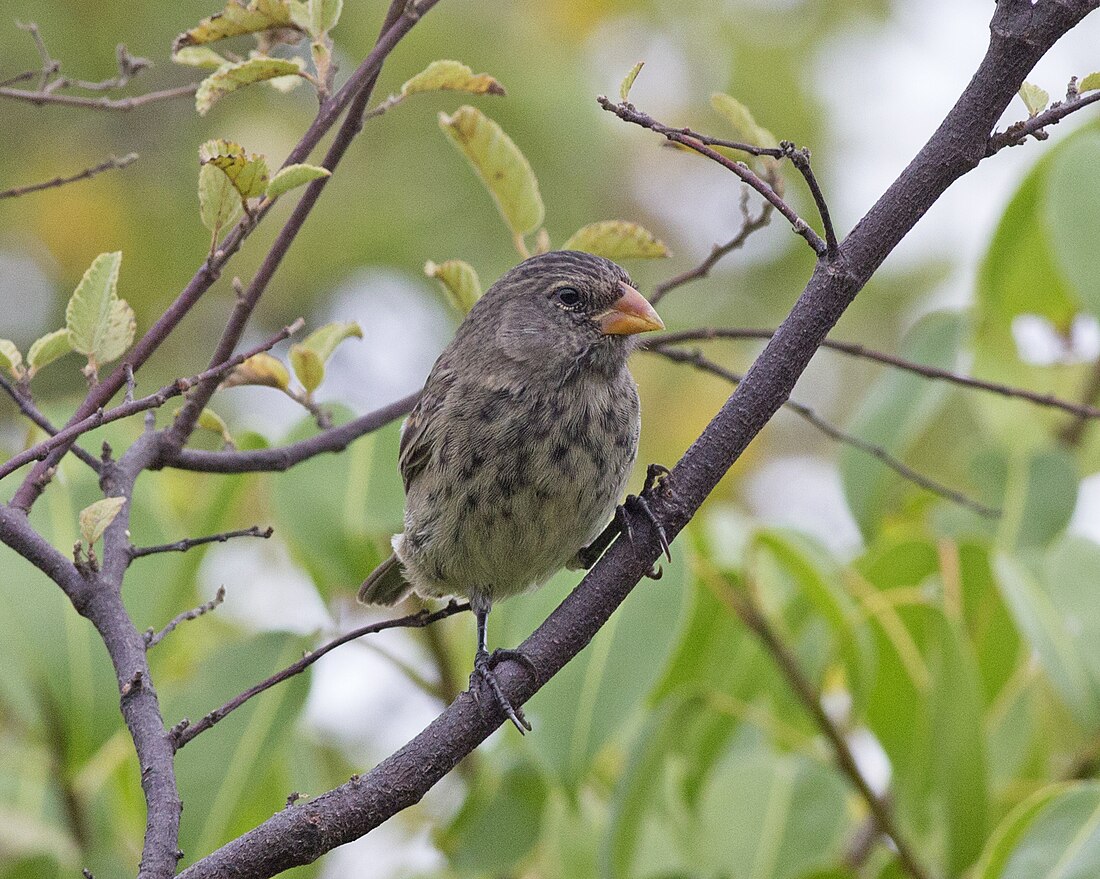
(702, 334)
(629, 113)
(696, 359)
(187, 543)
(1017, 135)
(152, 640)
(749, 225)
(122, 104)
(183, 732)
(103, 416)
(743, 605)
(27, 407)
(800, 158)
(110, 164)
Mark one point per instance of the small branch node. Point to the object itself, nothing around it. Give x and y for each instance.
(152, 641)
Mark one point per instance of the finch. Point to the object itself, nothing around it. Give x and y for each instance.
(520, 447)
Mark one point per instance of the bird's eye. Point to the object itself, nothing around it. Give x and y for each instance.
(568, 296)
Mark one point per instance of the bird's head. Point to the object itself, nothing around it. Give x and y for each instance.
(566, 309)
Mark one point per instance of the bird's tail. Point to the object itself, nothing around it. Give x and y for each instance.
(386, 584)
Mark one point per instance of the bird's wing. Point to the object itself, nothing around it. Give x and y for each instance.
(422, 431)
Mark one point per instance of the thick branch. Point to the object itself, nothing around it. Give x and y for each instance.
(1021, 34)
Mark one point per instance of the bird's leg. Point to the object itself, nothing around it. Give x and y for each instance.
(484, 663)
(590, 554)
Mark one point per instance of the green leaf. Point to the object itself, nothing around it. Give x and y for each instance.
(292, 176)
(1004, 839)
(1072, 217)
(451, 76)
(1034, 98)
(47, 349)
(200, 56)
(628, 81)
(324, 14)
(503, 169)
(459, 282)
(308, 366)
(497, 827)
(11, 359)
(259, 369)
(1089, 83)
(616, 239)
(323, 340)
(95, 518)
(219, 202)
(1055, 838)
(213, 422)
(231, 77)
(100, 325)
(740, 118)
(236, 19)
(246, 171)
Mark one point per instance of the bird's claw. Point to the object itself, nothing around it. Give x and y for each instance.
(639, 502)
(484, 663)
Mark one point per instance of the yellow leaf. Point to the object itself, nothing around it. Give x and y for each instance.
(1089, 83)
(231, 77)
(47, 349)
(219, 202)
(236, 19)
(294, 175)
(11, 359)
(616, 239)
(260, 369)
(323, 340)
(246, 171)
(503, 169)
(452, 76)
(199, 56)
(95, 519)
(308, 366)
(1034, 98)
(212, 421)
(459, 282)
(628, 81)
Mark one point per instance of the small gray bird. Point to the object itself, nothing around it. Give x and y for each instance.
(520, 447)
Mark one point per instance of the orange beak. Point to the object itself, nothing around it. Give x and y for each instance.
(629, 314)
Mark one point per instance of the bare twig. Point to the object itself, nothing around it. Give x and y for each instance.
(152, 640)
(749, 225)
(800, 158)
(110, 164)
(104, 416)
(1017, 135)
(743, 605)
(696, 359)
(183, 732)
(629, 113)
(1081, 410)
(122, 104)
(187, 543)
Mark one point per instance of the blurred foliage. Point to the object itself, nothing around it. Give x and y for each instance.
(959, 657)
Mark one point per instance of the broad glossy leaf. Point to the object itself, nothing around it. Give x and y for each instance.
(617, 239)
(459, 282)
(501, 166)
(95, 519)
(236, 19)
(49, 347)
(293, 176)
(452, 76)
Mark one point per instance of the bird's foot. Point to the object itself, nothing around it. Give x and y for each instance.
(655, 476)
(484, 663)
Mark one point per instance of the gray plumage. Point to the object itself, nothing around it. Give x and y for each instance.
(522, 442)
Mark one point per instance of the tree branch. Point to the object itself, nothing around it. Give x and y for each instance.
(187, 543)
(110, 164)
(1020, 35)
(153, 639)
(1017, 135)
(184, 731)
(20, 396)
(39, 98)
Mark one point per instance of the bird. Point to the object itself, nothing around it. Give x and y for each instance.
(520, 446)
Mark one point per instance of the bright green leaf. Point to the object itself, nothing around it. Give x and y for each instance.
(229, 78)
(452, 76)
(200, 56)
(246, 171)
(308, 366)
(1089, 83)
(95, 518)
(11, 359)
(616, 239)
(48, 348)
(1034, 98)
(503, 169)
(260, 369)
(292, 176)
(628, 81)
(92, 315)
(1002, 842)
(459, 282)
(236, 19)
(219, 202)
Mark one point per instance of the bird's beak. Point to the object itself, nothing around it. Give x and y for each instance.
(629, 314)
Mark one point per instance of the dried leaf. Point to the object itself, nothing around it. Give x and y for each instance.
(451, 76)
(47, 349)
(229, 78)
(11, 359)
(628, 81)
(1034, 98)
(260, 369)
(236, 19)
(292, 176)
(246, 171)
(95, 518)
(503, 169)
(459, 282)
(616, 239)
